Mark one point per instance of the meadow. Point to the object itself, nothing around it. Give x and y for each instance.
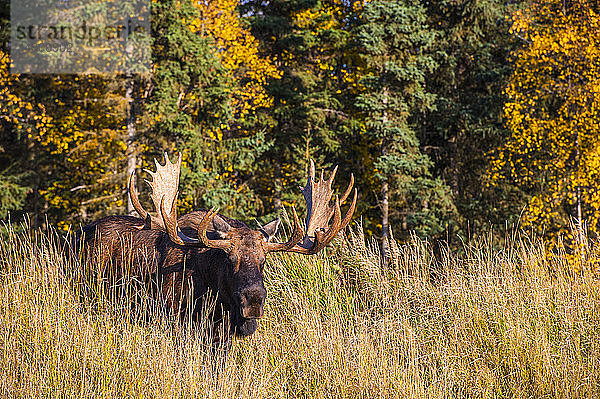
(490, 320)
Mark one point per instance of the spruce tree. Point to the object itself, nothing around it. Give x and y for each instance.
(189, 100)
(395, 45)
(307, 38)
(472, 50)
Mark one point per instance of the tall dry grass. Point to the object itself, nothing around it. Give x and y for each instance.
(487, 323)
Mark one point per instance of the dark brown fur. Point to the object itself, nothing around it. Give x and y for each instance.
(186, 274)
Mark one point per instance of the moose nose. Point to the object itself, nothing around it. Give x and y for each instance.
(252, 300)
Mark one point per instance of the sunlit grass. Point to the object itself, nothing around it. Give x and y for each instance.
(487, 323)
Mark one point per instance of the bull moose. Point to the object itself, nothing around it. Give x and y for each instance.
(204, 251)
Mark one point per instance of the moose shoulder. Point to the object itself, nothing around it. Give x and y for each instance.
(203, 251)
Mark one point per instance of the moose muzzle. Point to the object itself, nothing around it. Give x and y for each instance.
(252, 300)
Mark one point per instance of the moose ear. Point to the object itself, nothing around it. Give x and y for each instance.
(270, 229)
(221, 226)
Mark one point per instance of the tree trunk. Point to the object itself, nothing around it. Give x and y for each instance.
(278, 187)
(385, 223)
(385, 200)
(131, 134)
(37, 182)
(579, 227)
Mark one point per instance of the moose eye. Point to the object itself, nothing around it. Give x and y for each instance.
(233, 258)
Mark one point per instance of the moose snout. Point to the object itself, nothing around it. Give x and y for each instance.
(252, 300)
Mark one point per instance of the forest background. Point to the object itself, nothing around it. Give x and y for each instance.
(453, 115)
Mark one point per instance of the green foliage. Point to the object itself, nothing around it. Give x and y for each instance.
(230, 189)
(190, 108)
(12, 192)
(308, 39)
(396, 45)
(471, 49)
(82, 150)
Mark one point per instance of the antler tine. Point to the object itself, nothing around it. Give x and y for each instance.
(170, 222)
(203, 226)
(151, 221)
(295, 238)
(330, 180)
(348, 190)
(177, 236)
(311, 170)
(350, 212)
(135, 201)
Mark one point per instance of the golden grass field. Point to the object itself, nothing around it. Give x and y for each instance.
(487, 321)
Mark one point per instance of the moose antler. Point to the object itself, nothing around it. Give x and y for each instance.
(319, 213)
(177, 236)
(319, 232)
(295, 238)
(164, 183)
